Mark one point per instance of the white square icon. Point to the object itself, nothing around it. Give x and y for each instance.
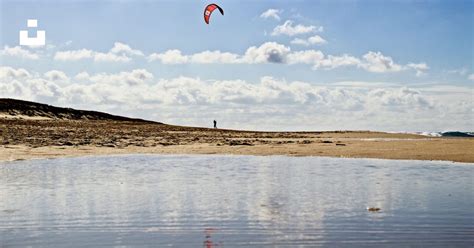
(32, 23)
(38, 40)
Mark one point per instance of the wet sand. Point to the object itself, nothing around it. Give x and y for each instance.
(23, 138)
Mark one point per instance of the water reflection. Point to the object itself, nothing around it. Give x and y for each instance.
(208, 242)
(217, 201)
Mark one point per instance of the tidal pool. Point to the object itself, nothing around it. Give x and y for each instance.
(229, 201)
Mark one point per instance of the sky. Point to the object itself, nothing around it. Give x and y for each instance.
(264, 65)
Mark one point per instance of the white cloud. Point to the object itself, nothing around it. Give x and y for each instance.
(10, 72)
(269, 52)
(299, 41)
(289, 29)
(332, 62)
(420, 68)
(18, 52)
(271, 13)
(377, 62)
(318, 60)
(110, 57)
(311, 57)
(169, 57)
(19, 83)
(208, 57)
(399, 99)
(82, 76)
(313, 40)
(74, 55)
(120, 52)
(269, 103)
(121, 48)
(55, 75)
(130, 78)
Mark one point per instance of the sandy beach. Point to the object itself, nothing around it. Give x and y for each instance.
(32, 138)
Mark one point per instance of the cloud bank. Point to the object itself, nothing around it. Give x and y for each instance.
(269, 103)
(268, 52)
(273, 52)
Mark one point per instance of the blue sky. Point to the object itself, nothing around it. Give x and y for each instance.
(388, 45)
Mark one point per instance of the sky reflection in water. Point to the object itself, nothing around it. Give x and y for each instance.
(226, 201)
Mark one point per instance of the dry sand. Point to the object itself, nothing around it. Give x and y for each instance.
(33, 138)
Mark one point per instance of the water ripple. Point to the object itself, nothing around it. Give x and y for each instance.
(235, 201)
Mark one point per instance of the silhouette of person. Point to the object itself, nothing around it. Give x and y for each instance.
(215, 124)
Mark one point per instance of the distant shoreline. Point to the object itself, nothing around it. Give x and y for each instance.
(38, 138)
(30, 130)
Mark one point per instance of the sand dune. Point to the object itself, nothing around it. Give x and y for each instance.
(11, 108)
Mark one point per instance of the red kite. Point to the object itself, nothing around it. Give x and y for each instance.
(209, 9)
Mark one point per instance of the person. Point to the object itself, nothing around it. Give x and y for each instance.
(215, 124)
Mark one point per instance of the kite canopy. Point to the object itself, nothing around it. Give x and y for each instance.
(209, 9)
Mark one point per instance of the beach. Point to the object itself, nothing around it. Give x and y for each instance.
(24, 137)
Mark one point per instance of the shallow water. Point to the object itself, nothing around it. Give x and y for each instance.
(228, 201)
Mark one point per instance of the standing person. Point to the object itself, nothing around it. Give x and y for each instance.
(215, 124)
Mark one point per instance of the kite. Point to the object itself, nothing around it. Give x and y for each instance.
(209, 9)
